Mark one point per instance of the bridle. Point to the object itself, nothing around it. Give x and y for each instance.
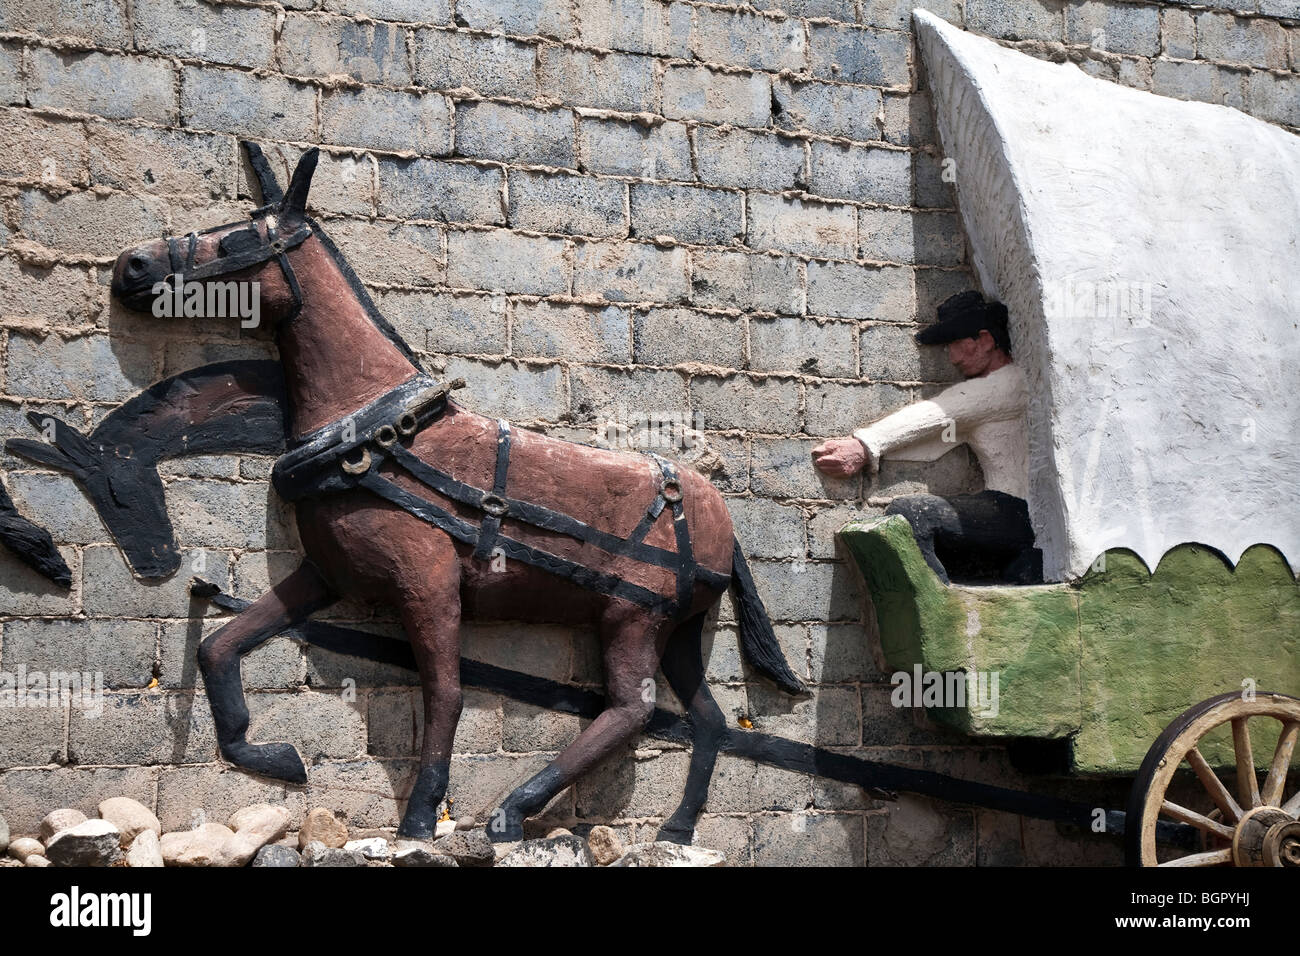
(273, 246)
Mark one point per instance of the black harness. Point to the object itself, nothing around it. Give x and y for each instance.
(273, 246)
(348, 454)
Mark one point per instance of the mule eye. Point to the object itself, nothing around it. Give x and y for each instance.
(236, 242)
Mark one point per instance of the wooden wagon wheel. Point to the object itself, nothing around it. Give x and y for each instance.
(1257, 827)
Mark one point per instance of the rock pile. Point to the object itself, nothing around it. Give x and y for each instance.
(126, 833)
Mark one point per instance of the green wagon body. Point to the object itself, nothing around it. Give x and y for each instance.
(1105, 662)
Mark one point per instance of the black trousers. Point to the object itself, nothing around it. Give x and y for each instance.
(974, 538)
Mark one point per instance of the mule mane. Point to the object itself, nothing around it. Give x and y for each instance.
(359, 290)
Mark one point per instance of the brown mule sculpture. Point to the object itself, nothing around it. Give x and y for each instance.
(405, 498)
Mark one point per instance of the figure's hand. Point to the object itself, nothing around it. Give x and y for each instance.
(841, 457)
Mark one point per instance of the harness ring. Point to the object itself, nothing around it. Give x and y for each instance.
(672, 491)
(359, 467)
(385, 435)
(494, 505)
(407, 424)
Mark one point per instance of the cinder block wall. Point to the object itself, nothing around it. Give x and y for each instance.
(589, 209)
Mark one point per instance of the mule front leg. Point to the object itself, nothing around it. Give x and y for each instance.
(288, 603)
(430, 611)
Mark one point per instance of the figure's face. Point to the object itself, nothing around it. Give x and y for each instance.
(975, 356)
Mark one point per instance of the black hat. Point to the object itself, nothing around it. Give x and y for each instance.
(964, 316)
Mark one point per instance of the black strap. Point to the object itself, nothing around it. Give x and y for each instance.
(311, 464)
(652, 513)
(494, 505)
(274, 247)
(562, 567)
(529, 513)
(685, 556)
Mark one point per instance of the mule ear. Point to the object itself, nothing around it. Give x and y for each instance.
(271, 192)
(295, 199)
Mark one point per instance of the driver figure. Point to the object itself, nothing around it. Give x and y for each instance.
(979, 536)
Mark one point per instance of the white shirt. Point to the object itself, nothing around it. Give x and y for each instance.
(987, 413)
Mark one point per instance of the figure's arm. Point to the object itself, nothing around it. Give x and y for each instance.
(1000, 394)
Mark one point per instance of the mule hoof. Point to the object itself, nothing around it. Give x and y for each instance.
(420, 820)
(279, 760)
(417, 825)
(670, 833)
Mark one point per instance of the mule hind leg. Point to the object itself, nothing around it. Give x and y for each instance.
(288, 603)
(633, 642)
(683, 665)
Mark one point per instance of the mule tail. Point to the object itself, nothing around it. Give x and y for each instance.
(757, 639)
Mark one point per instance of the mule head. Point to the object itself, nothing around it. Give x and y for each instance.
(237, 270)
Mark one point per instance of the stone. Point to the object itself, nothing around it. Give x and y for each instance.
(507, 261)
(199, 847)
(443, 828)
(669, 854)
(515, 134)
(57, 820)
(277, 856)
(373, 848)
(604, 844)
(130, 817)
(853, 55)
(323, 827)
(698, 93)
(562, 851)
(145, 851)
(559, 832)
(238, 102)
(4, 834)
(613, 81)
(93, 843)
(38, 861)
(802, 227)
(24, 848)
(318, 854)
(468, 847)
(421, 854)
(254, 827)
(261, 818)
(492, 66)
(117, 87)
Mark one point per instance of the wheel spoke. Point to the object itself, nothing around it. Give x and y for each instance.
(1210, 858)
(1292, 806)
(1201, 822)
(1271, 794)
(1214, 786)
(1247, 784)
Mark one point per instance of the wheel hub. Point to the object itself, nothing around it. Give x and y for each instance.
(1266, 836)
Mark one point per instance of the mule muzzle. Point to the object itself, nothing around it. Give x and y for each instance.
(135, 276)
